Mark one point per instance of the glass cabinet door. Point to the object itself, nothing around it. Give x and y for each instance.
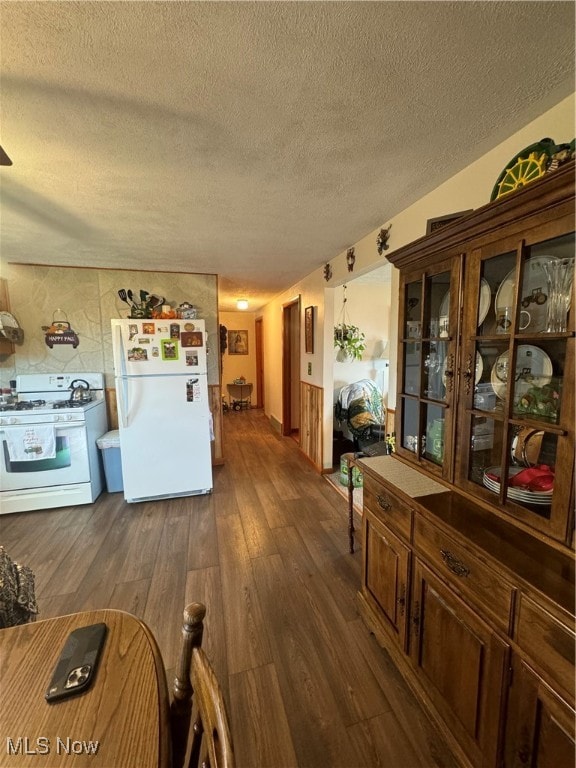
(517, 381)
(429, 331)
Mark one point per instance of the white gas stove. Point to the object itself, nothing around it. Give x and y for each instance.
(49, 457)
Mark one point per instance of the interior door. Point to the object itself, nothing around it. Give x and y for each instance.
(290, 368)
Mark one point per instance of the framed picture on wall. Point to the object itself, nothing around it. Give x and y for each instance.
(237, 342)
(309, 329)
(442, 221)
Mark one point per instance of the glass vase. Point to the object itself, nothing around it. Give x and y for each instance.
(559, 278)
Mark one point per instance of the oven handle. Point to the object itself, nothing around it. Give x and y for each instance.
(56, 424)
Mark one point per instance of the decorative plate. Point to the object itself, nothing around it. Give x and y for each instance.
(445, 305)
(484, 302)
(527, 166)
(10, 328)
(516, 494)
(526, 446)
(533, 368)
(534, 298)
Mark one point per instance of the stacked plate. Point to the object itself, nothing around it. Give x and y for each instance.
(542, 498)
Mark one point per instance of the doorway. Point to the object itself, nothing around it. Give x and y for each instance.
(291, 369)
(258, 333)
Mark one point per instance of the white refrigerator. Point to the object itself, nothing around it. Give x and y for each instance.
(163, 408)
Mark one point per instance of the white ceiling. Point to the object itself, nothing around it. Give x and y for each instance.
(255, 140)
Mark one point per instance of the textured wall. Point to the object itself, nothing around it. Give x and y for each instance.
(88, 299)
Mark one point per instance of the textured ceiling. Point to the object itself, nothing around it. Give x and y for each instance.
(253, 140)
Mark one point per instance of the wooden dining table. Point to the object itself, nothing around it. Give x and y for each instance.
(121, 721)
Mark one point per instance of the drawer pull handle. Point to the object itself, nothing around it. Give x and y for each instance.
(468, 374)
(449, 373)
(402, 600)
(383, 502)
(455, 565)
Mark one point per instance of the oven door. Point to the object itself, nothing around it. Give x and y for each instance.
(69, 466)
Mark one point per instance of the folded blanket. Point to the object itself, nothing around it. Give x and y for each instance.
(31, 443)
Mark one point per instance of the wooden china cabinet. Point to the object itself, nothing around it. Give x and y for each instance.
(468, 557)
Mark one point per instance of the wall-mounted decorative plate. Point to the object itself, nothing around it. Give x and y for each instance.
(10, 328)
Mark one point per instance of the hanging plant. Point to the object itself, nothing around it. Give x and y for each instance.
(349, 341)
(348, 338)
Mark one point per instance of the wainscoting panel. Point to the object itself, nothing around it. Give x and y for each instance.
(311, 409)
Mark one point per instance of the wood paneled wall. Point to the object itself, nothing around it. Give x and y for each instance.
(311, 410)
(215, 397)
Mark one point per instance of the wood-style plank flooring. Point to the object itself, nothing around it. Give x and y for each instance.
(267, 551)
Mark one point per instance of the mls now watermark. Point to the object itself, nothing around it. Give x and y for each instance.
(23, 745)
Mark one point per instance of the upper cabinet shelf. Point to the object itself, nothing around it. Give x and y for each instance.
(486, 355)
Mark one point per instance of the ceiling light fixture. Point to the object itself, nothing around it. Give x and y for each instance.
(242, 304)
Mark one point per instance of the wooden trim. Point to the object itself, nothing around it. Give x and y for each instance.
(259, 342)
(275, 424)
(287, 372)
(113, 269)
(443, 221)
(216, 446)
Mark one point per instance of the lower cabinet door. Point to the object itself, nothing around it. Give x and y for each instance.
(462, 664)
(539, 725)
(386, 568)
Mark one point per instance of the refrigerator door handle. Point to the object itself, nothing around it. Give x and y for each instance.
(121, 380)
(121, 351)
(123, 400)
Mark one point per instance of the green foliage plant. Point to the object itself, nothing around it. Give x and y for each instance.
(349, 341)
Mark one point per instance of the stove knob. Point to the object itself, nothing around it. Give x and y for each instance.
(12, 420)
(56, 418)
(69, 417)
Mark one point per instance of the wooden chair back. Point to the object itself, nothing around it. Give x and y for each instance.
(200, 728)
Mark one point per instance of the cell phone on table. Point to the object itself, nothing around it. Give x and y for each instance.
(78, 662)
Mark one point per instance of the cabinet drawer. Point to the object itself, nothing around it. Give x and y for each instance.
(387, 507)
(469, 575)
(548, 641)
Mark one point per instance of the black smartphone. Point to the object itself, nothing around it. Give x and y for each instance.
(78, 662)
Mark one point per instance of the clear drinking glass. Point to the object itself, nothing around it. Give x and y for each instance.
(559, 278)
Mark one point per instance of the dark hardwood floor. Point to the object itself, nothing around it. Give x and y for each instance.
(307, 684)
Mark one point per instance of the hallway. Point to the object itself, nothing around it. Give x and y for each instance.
(267, 552)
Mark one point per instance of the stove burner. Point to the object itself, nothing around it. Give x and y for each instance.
(24, 405)
(69, 404)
